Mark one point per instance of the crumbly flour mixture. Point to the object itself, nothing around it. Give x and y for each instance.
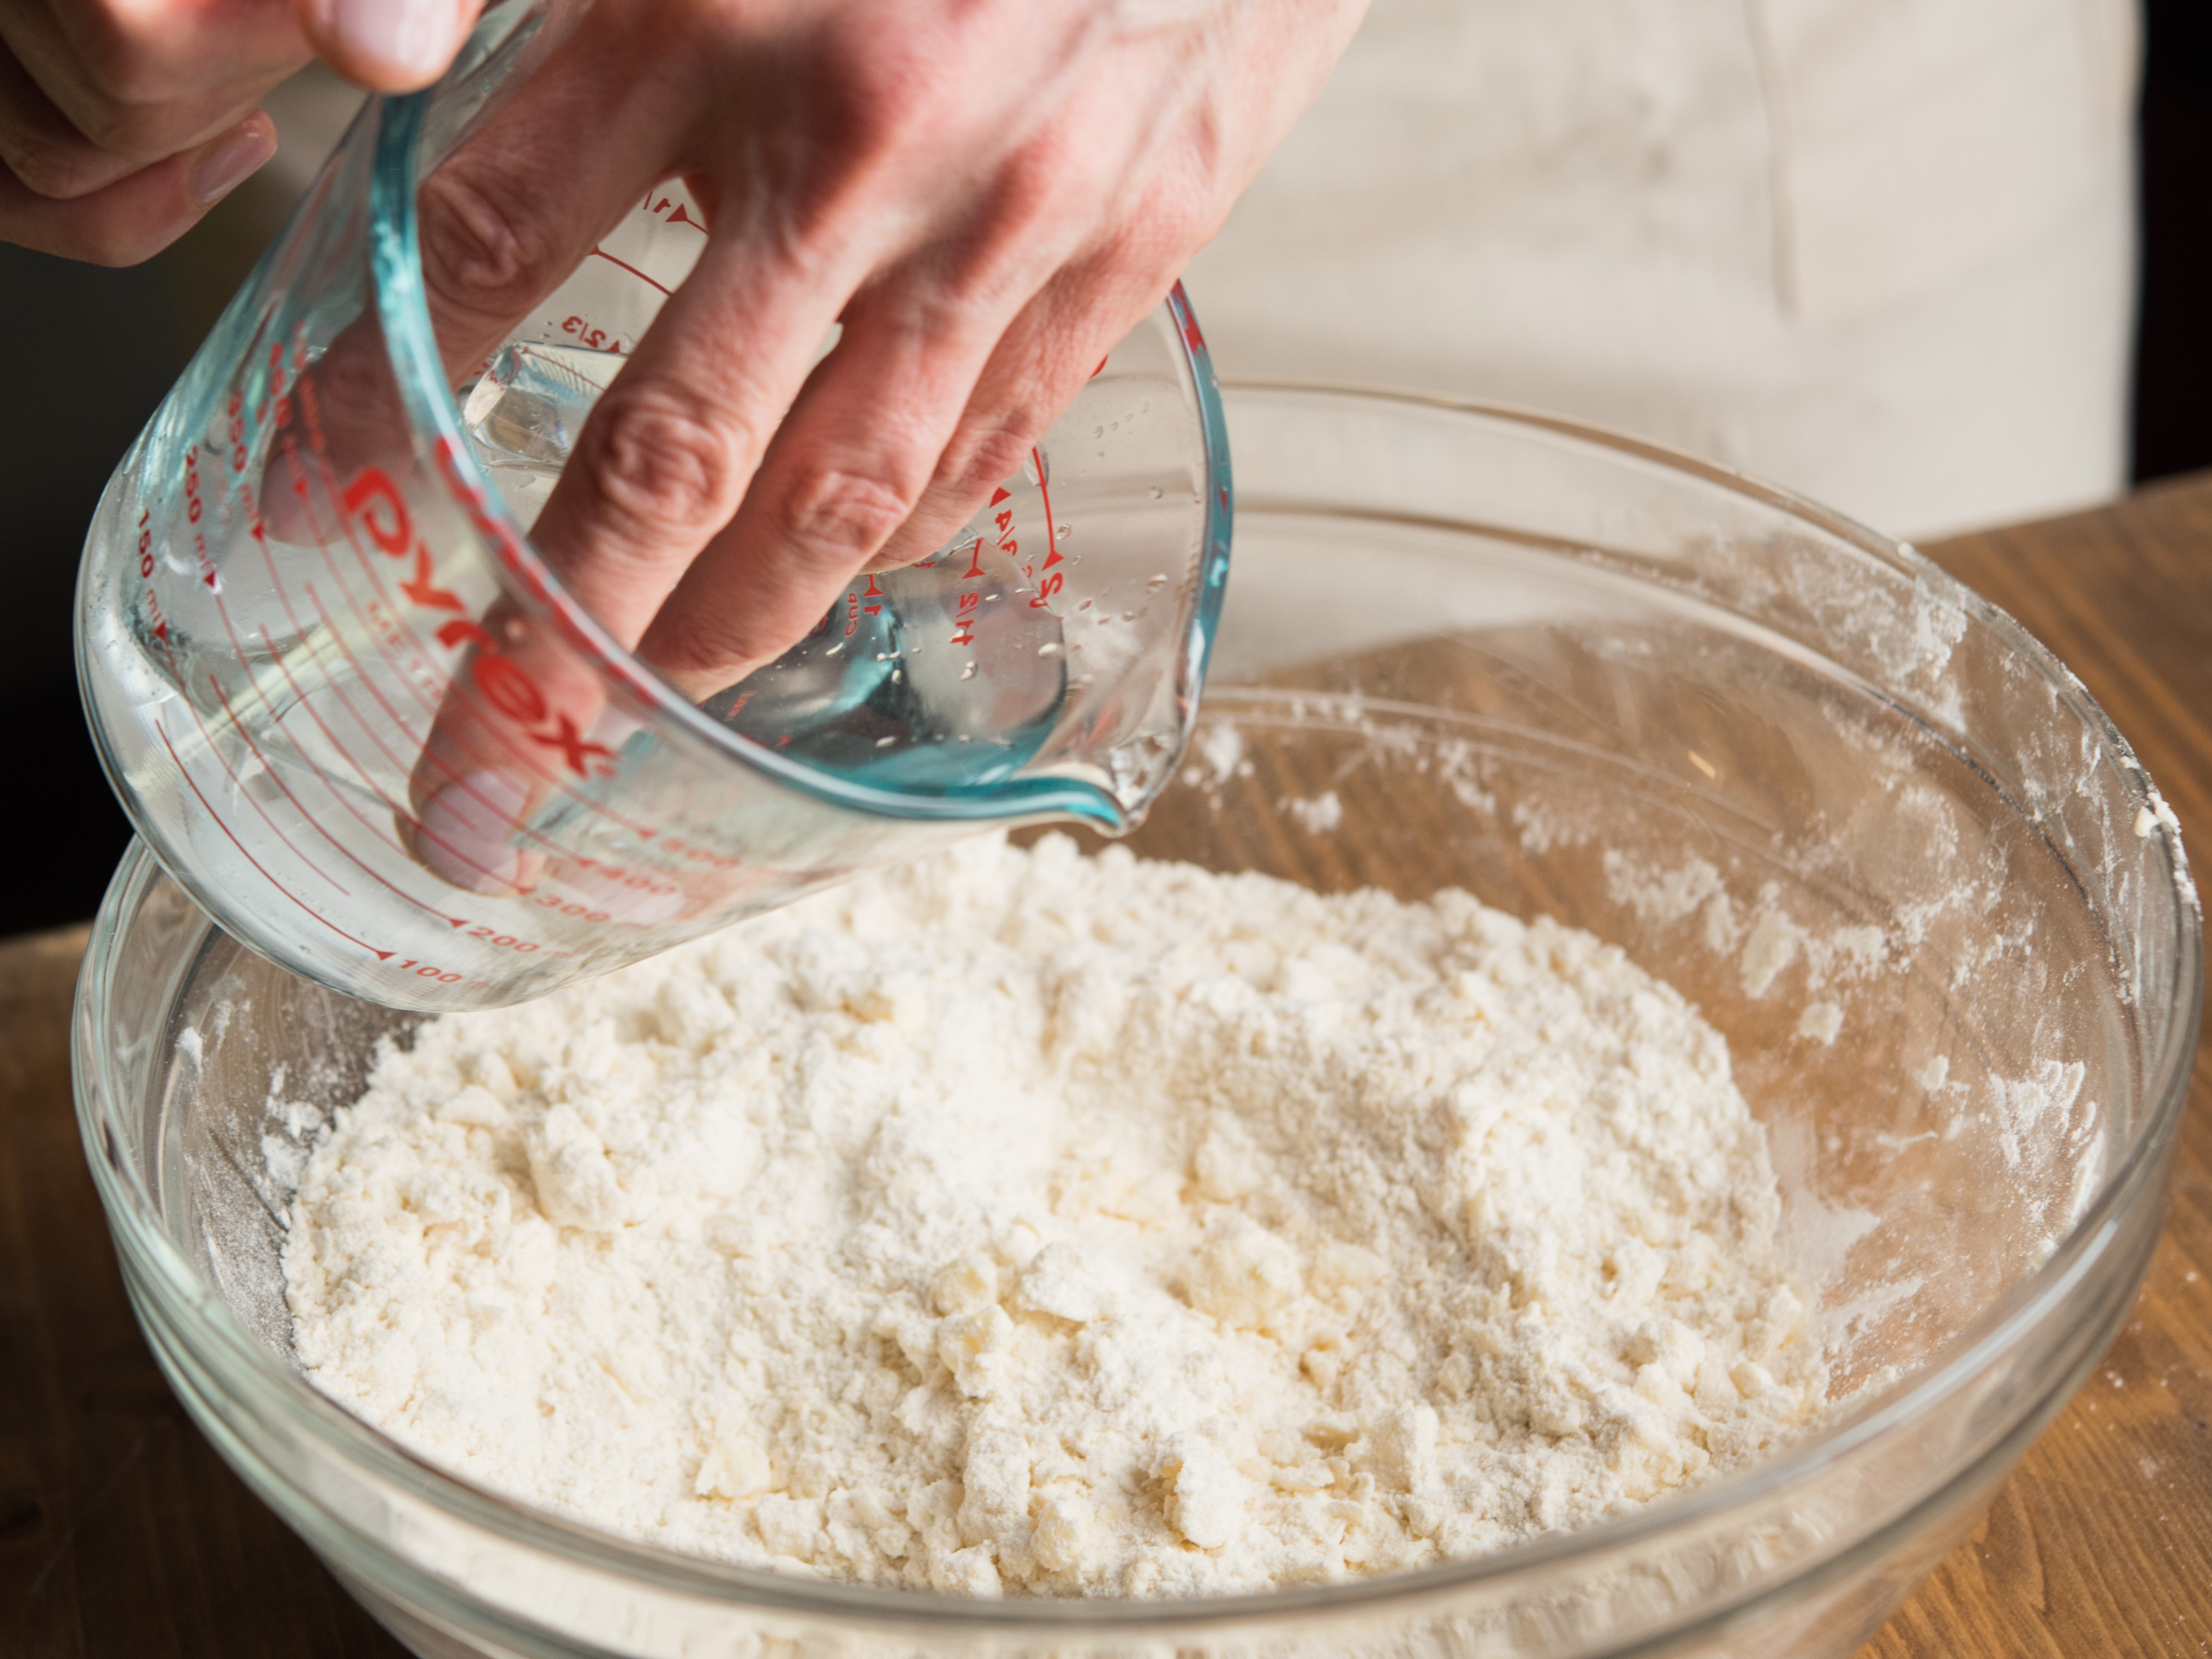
(1028, 1223)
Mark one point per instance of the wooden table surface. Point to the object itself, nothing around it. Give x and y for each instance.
(123, 1536)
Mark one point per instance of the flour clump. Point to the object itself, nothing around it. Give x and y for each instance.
(1024, 1222)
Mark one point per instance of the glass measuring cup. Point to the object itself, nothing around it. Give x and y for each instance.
(363, 725)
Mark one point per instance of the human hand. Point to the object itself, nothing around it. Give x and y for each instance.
(123, 121)
(986, 194)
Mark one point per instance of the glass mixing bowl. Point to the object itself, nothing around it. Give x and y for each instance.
(1887, 843)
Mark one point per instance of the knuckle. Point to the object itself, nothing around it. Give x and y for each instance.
(131, 114)
(119, 51)
(659, 463)
(124, 140)
(122, 76)
(836, 515)
(486, 252)
(884, 87)
(977, 460)
(1032, 187)
(109, 62)
(707, 651)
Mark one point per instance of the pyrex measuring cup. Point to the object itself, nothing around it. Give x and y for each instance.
(362, 723)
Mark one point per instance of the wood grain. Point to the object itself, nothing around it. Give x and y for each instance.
(2101, 1542)
(123, 1536)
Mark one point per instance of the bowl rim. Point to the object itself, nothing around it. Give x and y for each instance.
(2135, 1176)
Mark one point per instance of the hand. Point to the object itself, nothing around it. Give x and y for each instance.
(123, 121)
(986, 194)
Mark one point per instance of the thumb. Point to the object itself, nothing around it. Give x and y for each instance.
(387, 45)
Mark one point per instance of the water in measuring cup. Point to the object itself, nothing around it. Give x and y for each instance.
(948, 673)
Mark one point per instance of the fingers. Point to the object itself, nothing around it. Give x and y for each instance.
(387, 45)
(89, 96)
(507, 219)
(519, 725)
(668, 452)
(846, 468)
(1061, 339)
(524, 724)
(500, 224)
(138, 215)
(899, 439)
(156, 102)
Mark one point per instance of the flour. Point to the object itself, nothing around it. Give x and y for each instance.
(1026, 1222)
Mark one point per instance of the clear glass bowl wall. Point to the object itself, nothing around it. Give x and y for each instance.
(1784, 763)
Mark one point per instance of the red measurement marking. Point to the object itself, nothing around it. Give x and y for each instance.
(382, 832)
(385, 956)
(238, 785)
(503, 941)
(1051, 534)
(970, 603)
(374, 874)
(508, 547)
(421, 665)
(638, 881)
(394, 525)
(594, 338)
(1191, 337)
(1041, 600)
(632, 269)
(369, 490)
(455, 776)
(678, 217)
(684, 849)
(570, 908)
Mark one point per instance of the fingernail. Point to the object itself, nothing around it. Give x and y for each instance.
(411, 39)
(230, 162)
(462, 834)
